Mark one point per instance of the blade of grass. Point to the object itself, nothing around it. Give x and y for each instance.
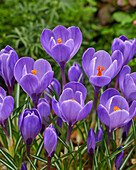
(31, 163)
(6, 164)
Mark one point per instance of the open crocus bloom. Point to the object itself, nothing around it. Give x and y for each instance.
(8, 58)
(33, 77)
(100, 67)
(114, 110)
(70, 107)
(127, 47)
(61, 43)
(127, 83)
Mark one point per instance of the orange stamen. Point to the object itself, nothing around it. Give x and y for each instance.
(34, 71)
(59, 40)
(73, 99)
(100, 69)
(116, 108)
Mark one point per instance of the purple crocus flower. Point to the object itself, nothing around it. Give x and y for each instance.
(99, 135)
(30, 123)
(33, 77)
(23, 166)
(70, 107)
(91, 142)
(50, 140)
(56, 85)
(127, 83)
(61, 44)
(127, 47)
(101, 68)
(44, 109)
(119, 158)
(75, 72)
(6, 108)
(8, 58)
(114, 110)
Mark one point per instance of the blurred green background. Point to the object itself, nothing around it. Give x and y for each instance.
(100, 21)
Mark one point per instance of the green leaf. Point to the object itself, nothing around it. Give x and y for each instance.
(31, 163)
(122, 17)
(6, 164)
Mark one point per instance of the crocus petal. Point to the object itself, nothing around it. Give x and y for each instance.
(106, 95)
(2, 93)
(91, 141)
(99, 134)
(132, 109)
(42, 66)
(75, 86)
(102, 59)
(46, 80)
(127, 52)
(76, 35)
(85, 111)
(112, 70)
(118, 44)
(125, 70)
(61, 32)
(66, 95)
(79, 98)
(29, 62)
(45, 40)
(70, 110)
(29, 83)
(86, 59)
(61, 53)
(133, 75)
(117, 118)
(103, 115)
(55, 107)
(99, 81)
(119, 158)
(7, 108)
(123, 38)
(70, 44)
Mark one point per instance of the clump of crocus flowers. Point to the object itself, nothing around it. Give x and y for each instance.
(64, 107)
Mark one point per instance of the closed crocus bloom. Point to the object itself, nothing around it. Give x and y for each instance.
(127, 83)
(57, 87)
(30, 123)
(127, 47)
(50, 140)
(91, 141)
(70, 107)
(119, 158)
(6, 108)
(8, 58)
(44, 109)
(23, 166)
(33, 77)
(100, 67)
(61, 43)
(99, 135)
(114, 110)
(75, 72)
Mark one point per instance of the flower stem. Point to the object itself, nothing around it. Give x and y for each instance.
(68, 134)
(91, 161)
(117, 82)
(28, 150)
(62, 67)
(10, 90)
(49, 163)
(109, 137)
(96, 93)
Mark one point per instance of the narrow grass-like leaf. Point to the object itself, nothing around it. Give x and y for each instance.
(131, 167)
(134, 133)
(80, 77)
(126, 158)
(6, 164)
(48, 94)
(31, 163)
(39, 151)
(18, 143)
(10, 127)
(107, 153)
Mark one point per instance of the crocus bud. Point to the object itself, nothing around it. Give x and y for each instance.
(8, 58)
(91, 141)
(6, 108)
(56, 85)
(44, 110)
(99, 135)
(23, 166)
(119, 158)
(50, 140)
(75, 72)
(126, 130)
(59, 123)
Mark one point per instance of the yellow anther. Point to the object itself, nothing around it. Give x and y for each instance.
(59, 40)
(73, 99)
(100, 69)
(116, 108)
(34, 72)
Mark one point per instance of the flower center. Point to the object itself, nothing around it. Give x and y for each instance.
(59, 40)
(116, 108)
(34, 71)
(73, 99)
(100, 69)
